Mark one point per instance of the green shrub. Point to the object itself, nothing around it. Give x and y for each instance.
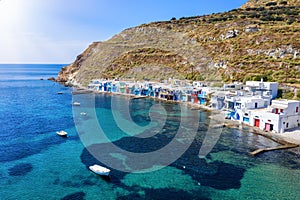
(289, 95)
(279, 93)
(291, 81)
(283, 3)
(260, 9)
(279, 18)
(262, 76)
(225, 77)
(271, 4)
(217, 84)
(290, 21)
(254, 15)
(298, 94)
(200, 77)
(247, 78)
(267, 18)
(291, 12)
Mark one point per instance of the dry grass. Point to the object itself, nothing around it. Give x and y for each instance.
(191, 46)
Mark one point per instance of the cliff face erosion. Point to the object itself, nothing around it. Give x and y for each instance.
(258, 40)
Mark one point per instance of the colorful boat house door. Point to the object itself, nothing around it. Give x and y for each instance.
(269, 127)
(256, 122)
(195, 98)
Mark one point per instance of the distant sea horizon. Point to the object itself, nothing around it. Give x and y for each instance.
(35, 163)
(33, 63)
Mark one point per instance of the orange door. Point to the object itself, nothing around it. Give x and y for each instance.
(256, 122)
(195, 98)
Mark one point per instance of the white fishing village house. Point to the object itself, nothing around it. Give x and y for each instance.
(256, 94)
(280, 116)
(172, 89)
(255, 106)
(251, 104)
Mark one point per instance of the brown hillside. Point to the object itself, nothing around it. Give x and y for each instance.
(260, 39)
(258, 3)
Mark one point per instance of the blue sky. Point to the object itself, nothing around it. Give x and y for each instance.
(56, 31)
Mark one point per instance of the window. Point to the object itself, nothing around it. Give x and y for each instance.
(287, 125)
(281, 110)
(297, 109)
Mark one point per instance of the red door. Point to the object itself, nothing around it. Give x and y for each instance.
(195, 98)
(256, 122)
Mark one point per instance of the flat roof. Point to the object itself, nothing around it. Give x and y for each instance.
(279, 106)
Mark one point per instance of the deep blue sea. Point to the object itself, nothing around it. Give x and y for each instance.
(152, 147)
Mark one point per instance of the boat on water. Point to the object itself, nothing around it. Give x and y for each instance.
(62, 133)
(82, 91)
(76, 104)
(83, 114)
(59, 92)
(103, 171)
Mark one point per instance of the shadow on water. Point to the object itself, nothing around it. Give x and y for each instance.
(206, 172)
(75, 196)
(20, 169)
(164, 194)
(115, 176)
(217, 174)
(104, 178)
(21, 150)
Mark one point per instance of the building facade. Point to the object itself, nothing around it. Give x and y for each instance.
(279, 117)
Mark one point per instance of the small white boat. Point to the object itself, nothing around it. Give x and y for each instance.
(62, 133)
(103, 171)
(76, 104)
(83, 114)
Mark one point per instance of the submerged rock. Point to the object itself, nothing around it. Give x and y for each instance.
(51, 79)
(20, 169)
(76, 196)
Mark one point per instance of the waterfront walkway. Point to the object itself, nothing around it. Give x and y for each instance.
(286, 146)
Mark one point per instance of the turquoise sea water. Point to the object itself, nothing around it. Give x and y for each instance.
(38, 164)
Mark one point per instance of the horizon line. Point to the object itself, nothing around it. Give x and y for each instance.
(34, 63)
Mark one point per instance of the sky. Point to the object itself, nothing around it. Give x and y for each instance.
(56, 31)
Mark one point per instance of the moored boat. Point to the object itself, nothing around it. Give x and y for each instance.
(83, 114)
(76, 104)
(103, 171)
(62, 133)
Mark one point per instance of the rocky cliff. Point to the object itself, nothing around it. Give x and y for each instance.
(259, 40)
